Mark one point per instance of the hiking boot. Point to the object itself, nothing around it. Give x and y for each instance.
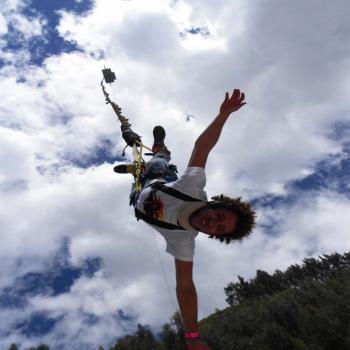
(159, 136)
(125, 169)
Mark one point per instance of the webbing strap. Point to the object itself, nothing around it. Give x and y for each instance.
(140, 215)
(172, 192)
(159, 186)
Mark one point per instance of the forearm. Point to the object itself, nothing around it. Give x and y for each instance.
(211, 134)
(187, 298)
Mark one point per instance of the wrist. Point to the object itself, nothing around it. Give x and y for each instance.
(224, 114)
(192, 336)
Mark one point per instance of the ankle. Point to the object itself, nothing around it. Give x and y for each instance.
(159, 148)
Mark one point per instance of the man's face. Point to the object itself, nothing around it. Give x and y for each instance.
(216, 221)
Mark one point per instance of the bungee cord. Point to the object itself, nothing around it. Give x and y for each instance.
(139, 162)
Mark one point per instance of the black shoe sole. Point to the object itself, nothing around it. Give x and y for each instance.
(158, 135)
(124, 168)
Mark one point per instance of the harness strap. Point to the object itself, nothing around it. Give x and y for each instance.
(159, 186)
(140, 215)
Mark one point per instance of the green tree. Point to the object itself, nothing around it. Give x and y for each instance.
(265, 284)
(13, 347)
(313, 316)
(142, 340)
(172, 335)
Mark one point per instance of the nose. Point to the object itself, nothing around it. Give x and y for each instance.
(217, 217)
(214, 220)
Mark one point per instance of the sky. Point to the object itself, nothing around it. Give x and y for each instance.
(77, 269)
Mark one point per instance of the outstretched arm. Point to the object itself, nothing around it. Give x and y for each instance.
(210, 136)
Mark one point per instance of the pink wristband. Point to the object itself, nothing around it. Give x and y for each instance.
(192, 335)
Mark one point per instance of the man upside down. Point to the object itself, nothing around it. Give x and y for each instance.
(179, 209)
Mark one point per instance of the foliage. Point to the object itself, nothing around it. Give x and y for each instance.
(314, 316)
(265, 284)
(13, 347)
(173, 333)
(171, 338)
(40, 347)
(142, 340)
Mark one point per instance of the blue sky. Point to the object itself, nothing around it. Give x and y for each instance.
(51, 43)
(77, 270)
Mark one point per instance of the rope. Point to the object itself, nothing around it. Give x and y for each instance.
(138, 161)
(165, 277)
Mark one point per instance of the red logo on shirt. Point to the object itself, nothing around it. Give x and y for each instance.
(158, 212)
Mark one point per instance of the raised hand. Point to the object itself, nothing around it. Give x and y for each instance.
(233, 103)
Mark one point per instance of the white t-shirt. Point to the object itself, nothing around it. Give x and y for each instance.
(180, 243)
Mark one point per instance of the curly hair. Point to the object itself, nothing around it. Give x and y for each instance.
(246, 217)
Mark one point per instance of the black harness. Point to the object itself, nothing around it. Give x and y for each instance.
(150, 205)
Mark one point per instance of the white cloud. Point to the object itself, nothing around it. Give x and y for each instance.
(27, 27)
(23, 29)
(3, 25)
